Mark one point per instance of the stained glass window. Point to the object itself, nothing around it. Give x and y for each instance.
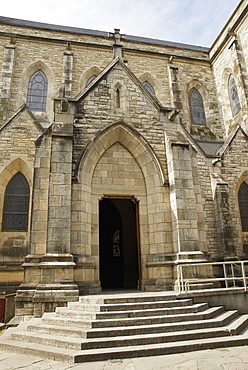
(116, 244)
(16, 204)
(243, 205)
(197, 112)
(37, 92)
(149, 87)
(233, 95)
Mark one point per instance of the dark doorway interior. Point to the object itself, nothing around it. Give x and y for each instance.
(118, 244)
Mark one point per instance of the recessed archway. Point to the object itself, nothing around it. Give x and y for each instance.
(119, 163)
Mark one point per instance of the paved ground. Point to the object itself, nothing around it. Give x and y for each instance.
(235, 358)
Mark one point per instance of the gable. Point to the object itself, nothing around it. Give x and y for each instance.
(25, 117)
(18, 136)
(235, 138)
(120, 93)
(119, 68)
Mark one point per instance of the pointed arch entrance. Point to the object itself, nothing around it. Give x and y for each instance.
(119, 243)
(117, 166)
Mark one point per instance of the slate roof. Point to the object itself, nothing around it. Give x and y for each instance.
(167, 43)
(84, 31)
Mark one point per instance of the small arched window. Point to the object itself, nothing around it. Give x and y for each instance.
(117, 98)
(16, 204)
(90, 80)
(149, 87)
(37, 92)
(233, 96)
(243, 205)
(197, 112)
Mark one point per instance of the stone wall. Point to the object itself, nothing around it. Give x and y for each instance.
(229, 56)
(17, 149)
(115, 139)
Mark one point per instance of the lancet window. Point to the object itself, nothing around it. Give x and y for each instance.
(16, 204)
(243, 205)
(196, 106)
(233, 95)
(37, 91)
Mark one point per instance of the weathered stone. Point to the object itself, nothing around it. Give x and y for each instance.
(171, 184)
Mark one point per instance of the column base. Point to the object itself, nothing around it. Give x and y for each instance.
(88, 287)
(189, 272)
(53, 287)
(49, 296)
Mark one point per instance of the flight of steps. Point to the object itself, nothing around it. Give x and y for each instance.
(104, 327)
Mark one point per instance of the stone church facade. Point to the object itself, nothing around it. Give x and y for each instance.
(120, 157)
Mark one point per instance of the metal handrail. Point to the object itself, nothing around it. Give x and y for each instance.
(184, 283)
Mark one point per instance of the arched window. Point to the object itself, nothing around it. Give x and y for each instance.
(90, 80)
(37, 92)
(197, 112)
(149, 87)
(243, 205)
(233, 95)
(16, 204)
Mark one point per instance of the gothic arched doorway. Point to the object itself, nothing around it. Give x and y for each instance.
(119, 243)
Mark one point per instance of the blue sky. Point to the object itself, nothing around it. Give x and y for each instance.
(196, 22)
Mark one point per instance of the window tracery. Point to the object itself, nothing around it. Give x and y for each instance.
(16, 204)
(233, 96)
(197, 111)
(37, 91)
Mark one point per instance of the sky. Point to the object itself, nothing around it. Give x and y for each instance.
(196, 22)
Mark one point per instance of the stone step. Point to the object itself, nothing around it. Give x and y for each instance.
(159, 349)
(151, 320)
(48, 339)
(104, 328)
(84, 315)
(34, 349)
(54, 319)
(198, 307)
(70, 331)
(81, 344)
(75, 356)
(68, 312)
(49, 318)
(221, 320)
(128, 298)
(129, 306)
(232, 328)
(238, 325)
(73, 327)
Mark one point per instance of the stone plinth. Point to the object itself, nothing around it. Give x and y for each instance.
(192, 272)
(54, 285)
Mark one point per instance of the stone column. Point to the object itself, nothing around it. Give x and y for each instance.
(38, 230)
(224, 225)
(185, 233)
(57, 280)
(176, 99)
(6, 79)
(67, 72)
(49, 276)
(241, 65)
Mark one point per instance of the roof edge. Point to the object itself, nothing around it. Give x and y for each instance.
(90, 32)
